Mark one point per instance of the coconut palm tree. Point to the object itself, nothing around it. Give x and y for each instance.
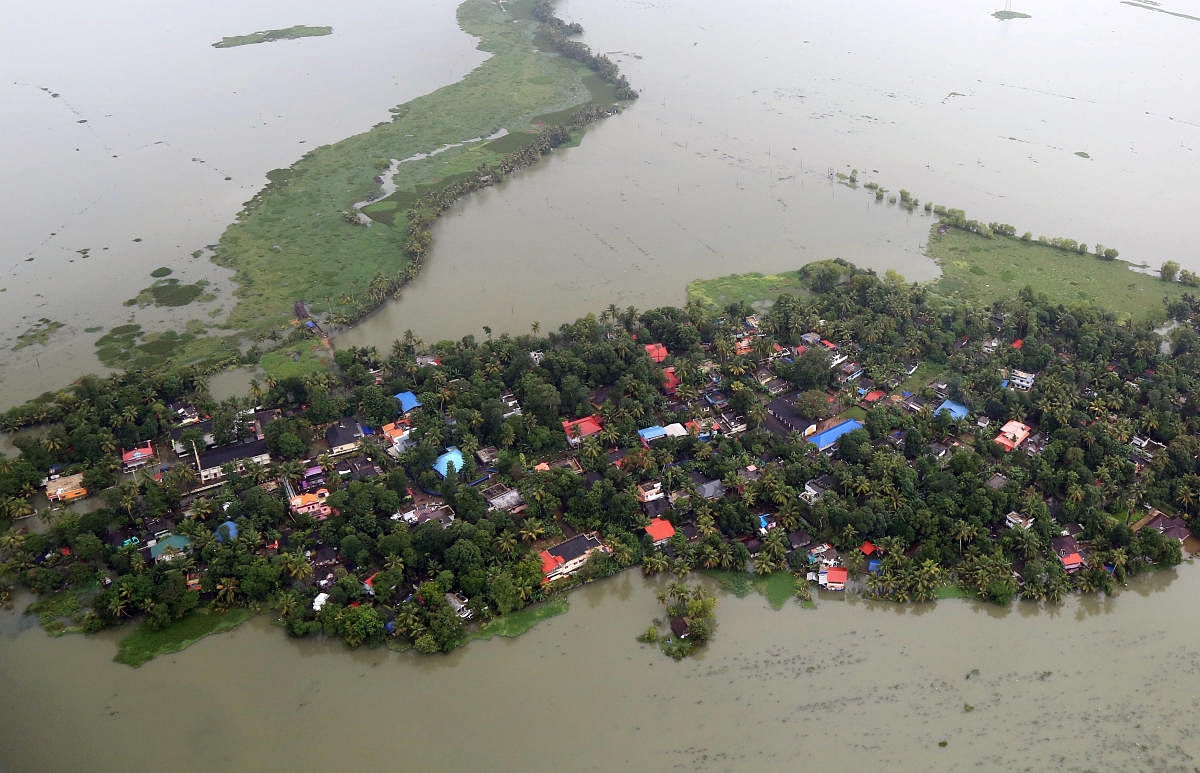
(227, 588)
(654, 563)
(532, 530)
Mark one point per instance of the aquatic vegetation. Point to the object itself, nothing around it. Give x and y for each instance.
(145, 643)
(1006, 15)
(516, 623)
(160, 272)
(36, 334)
(270, 36)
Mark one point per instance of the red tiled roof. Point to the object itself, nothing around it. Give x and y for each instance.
(657, 352)
(836, 574)
(1017, 344)
(549, 562)
(1074, 558)
(670, 380)
(588, 425)
(867, 548)
(143, 452)
(660, 529)
(875, 395)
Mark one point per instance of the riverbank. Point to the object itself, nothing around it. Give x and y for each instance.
(144, 643)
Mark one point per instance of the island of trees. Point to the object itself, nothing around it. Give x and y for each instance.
(866, 435)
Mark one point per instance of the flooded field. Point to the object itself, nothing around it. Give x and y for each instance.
(724, 163)
(130, 143)
(1097, 684)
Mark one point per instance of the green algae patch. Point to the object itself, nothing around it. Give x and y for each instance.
(953, 592)
(1006, 15)
(172, 292)
(65, 611)
(752, 289)
(777, 587)
(270, 36)
(144, 644)
(160, 272)
(516, 623)
(36, 334)
(982, 269)
(1082, 154)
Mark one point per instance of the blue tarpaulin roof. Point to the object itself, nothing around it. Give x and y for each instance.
(825, 439)
(452, 457)
(228, 528)
(956, 410)
(408, 401)
(651, 433)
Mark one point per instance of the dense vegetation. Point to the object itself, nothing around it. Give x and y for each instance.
(1100, 383)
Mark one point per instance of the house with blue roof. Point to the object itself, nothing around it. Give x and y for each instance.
(650, 434)
(956, 410)
(408, 401)
(452, 457)
(826, 439)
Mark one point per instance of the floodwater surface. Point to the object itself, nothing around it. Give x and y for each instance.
(122, 125)
(723, 165)
(1098, 684)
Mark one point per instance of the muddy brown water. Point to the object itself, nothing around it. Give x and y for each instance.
(1100, 683)
(723, 164)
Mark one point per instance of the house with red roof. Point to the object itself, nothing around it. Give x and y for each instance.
(568, 557)
(867, 548)
(660, 531)
(833, 578)
(657, 352)
(670, 381)
(137, 457)
(579, 429)
(1012, 435)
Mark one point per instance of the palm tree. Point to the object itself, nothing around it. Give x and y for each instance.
(202, 508)
(290, 470)
(534, 327)
(963, 531)
(654, 563)
(532, 530)
(296, 566)
(507, 545)
(227, 590)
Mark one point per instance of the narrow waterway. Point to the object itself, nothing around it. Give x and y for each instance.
(1100, 683)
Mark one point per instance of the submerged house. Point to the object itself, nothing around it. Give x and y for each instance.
(568, 557)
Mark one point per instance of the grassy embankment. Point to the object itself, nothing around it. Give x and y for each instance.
(980, 269)
(144, 644)
(268, 36)
(516, 623)
(292, 240)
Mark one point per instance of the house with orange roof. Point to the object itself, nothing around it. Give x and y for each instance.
(399, 436)
(65, 488)
(660, 531)
(670, 381)
(657, 352)
(579, 429)
(311, 504)
(833, 578)
(1012, 435)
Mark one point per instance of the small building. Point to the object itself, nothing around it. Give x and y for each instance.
(826, 439)
(660, 531)
(439, 512)
(996, 482)
(1019, 379)
(399, 437)
(170, 548)
(957, 411)
(458, 603)
(1012, 435)
(579, 429)
(503, 497)
(568, 557)
(657, 352)
(312, 505)
(650, 491)
(816, 488)
(137, 457)
(488, 456)
(512, 407)
(451, 458)
(408, 401)
(210, 464)
(671, 381)
(833, 578)
(1015, 520)
(343, 437)
(650, 434)
(65, 488)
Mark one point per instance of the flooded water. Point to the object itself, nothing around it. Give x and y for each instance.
(123, 125)
(723, 164)
(1097, 684)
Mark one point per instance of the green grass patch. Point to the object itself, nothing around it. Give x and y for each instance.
(516, 623)
(753, 288)
(855, 412)
(1010, 264)
(297, 360)
(777, 587)
(925, 372)
(953, 592)
(292, 240)
(270, 36)
(144, 644)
